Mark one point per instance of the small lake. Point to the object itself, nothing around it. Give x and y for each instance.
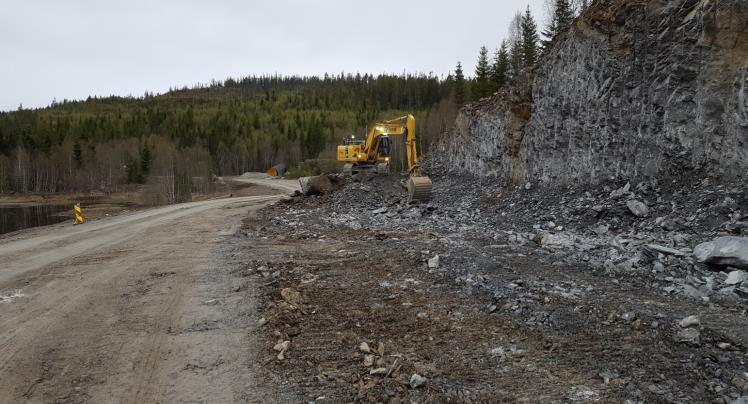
(13, 218)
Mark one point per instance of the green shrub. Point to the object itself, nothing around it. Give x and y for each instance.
(302, 170)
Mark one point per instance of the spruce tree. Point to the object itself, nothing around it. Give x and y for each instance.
(460, 95)
(515, 59)
(131, 170)
(500, 68)
(549, 33)
(482, 75)
(529, 39)
(78, 155)
(145, 161)
(563, 16)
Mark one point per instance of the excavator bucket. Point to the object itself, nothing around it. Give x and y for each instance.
(419, 189)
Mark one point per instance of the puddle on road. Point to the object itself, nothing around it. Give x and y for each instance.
(14, 218)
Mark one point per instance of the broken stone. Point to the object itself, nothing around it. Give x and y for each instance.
(693, 292)
(378, 372)
(665, 250)
(671, 225)
(690, 336)
(413, 213)
(320, 185)
(658, 266)
(637, 208)
(724, 251)
(607, 376)
(434, 262)
(690, 321)
(261, 322)
(291, 296)
(380, 211)
(368, 360)
(417, 381)
(736, 277)
(628, 317)
(556, 241)
(620, 192)
(723, 345)
(282, 347)
(602, 229)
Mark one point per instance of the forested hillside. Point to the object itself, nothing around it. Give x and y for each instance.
(178, 140)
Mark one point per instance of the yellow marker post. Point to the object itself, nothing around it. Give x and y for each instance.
(79, 219)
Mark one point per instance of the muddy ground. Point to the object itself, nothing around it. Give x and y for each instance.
(353, 306)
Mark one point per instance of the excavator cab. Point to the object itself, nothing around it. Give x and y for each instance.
(385, 147)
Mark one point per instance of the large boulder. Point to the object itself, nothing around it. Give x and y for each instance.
(637, 208)
(724, 251)
(320, 184)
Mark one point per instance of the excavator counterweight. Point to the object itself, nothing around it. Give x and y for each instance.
(373, 155)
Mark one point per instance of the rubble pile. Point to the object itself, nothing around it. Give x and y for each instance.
(650, 262)
(644, 228)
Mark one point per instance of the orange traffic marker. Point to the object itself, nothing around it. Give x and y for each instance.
(79, 219)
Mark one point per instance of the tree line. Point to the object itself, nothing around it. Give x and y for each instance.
(520, 50)
(179, 140)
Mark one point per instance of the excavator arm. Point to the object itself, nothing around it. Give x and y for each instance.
(419, 187)
(407, 126)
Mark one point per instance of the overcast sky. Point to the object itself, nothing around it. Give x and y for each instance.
(75, 48)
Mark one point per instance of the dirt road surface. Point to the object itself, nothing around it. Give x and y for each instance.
(288, 186)
(133, 309)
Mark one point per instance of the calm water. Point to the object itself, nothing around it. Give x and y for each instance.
(22, 217)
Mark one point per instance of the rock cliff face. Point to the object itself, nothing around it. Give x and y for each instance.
(635, 89)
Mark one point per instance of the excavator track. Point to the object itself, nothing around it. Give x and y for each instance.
(419, 189)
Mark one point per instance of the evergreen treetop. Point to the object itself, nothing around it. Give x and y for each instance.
(482, 75)
(529, 39)
(500, 68)
(561, 20)
(460, 96)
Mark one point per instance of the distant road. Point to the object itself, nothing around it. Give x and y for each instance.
(289, 186)
(135, 308)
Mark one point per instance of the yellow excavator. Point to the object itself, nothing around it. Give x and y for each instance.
(373, 155)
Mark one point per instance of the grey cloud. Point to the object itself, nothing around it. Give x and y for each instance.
(72, 49)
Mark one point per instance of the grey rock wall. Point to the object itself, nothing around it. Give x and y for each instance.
(636, 89)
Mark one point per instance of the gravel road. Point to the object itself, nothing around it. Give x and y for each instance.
(137, 308)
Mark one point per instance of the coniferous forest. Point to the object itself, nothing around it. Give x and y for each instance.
(185, 137)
